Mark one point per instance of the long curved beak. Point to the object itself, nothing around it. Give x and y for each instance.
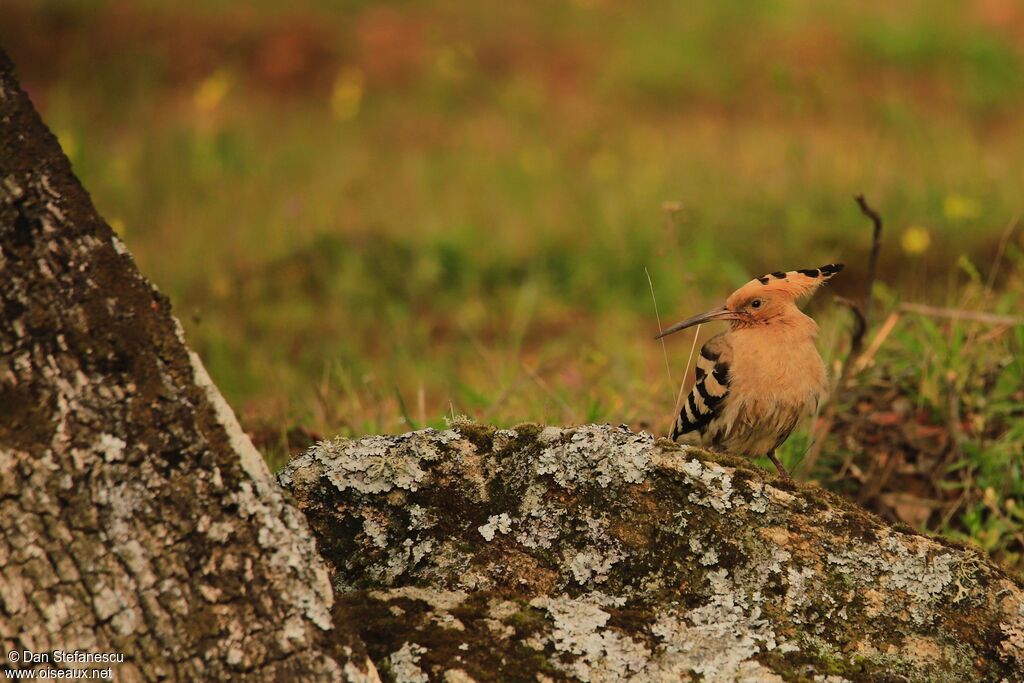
(720, 313)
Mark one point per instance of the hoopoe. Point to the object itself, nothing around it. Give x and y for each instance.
(756, 380)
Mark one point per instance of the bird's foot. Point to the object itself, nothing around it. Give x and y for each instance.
(778, 465)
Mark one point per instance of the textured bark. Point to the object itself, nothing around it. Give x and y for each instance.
(597, 554)
(135, 516)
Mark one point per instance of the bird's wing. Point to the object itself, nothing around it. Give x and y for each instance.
(707, 398)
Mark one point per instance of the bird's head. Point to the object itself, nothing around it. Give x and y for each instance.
(764, 300)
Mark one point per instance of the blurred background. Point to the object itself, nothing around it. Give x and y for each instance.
(370, 216)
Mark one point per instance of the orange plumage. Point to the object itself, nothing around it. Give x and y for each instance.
(756, 380)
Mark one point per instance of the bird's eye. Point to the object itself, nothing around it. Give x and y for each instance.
(756, 303)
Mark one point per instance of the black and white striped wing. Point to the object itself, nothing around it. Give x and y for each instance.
(707, 398)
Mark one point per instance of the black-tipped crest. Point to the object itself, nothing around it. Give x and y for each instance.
(826, 271)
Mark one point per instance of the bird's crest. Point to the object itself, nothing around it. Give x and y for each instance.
(793, 285)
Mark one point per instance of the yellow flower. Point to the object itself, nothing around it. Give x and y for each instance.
(347, 94)
(957, 207)
(211, 91)
(915, 240)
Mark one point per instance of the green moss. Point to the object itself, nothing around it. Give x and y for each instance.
(671, 448)
(818, 657)
(527, 622)
(853, 523)
(481, 436)
(528, 430)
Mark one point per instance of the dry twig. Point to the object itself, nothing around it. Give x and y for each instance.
(876, 247)
(961, 314)
(657, 315)
(876, 343)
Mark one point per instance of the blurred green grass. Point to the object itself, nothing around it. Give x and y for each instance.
(371, 215)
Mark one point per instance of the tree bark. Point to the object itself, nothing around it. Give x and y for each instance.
(136, 517)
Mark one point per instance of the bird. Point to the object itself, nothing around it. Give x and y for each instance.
(755, 381)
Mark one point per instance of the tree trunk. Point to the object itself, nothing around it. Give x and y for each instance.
(136, 518)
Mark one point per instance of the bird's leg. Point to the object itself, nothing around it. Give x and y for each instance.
(778, 465)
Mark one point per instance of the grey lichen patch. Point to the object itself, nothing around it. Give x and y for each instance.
(719, 639)
(420, 518)
(758, 500)
(457, 676)
(715, 482)
(543, 521)
(914, 573)
(799, 584)
(495, 524)
(595, 653)
(717, 652)
(594, 454)
(707, 556)
(376, 531)
(405, 664)
(596, 551)
(377, 464)
(591, 564)
(368, 466)
(717, 642)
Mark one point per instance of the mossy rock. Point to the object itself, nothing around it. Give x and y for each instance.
(599, 554)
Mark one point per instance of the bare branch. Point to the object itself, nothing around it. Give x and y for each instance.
(876, 247)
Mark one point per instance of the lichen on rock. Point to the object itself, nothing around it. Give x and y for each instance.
(597, 554)
(495, 524)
